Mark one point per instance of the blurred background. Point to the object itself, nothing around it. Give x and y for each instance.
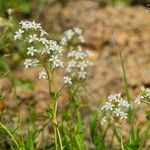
(110, 27)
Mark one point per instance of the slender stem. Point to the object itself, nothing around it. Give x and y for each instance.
(49, 79)
(60, 141)
(121, 142)
(54, 107)
(144, 101)
(11, 135)
(55, 121)
(145, 137)
(121, 139)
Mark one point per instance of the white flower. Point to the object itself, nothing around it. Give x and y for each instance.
(42, 75)
(78, 63)
(123, 103)
(63, 41)
(123, 115)
(81, 39)
(79, 55)
(68, 69)
(32, 38)
(71, 54)
(114, 97)
(43, 32)
(72, 63)
(103, 121)
(56, 62)
(28, 63)
(44, 41)
(138, 99)
(25, 25)
(30, 25)
(67, 80)
(117, 106)
(35, 25)
(82, 74)
(77, 30)
(144, 95)
(89, 53)
(31, 50)
(31, 63)
(117, 112)
(35, 62)
(69, 34)
(18, 34)
(82, 65)
(108, 106)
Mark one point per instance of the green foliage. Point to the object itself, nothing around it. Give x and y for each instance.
(122, 2)
(115, 2)
(23, 6)
(96, 135)
(148, 115)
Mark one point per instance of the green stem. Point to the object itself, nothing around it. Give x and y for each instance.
(55, 121)
(145, 137)
(60, 141)
(146, 102)
(121, 139)
(11, 135)
(131, 109)
(48, 78)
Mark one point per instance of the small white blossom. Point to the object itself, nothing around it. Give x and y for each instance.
(77, 30)
(33, 38)
(28, 63)
(67, 80)
(42, 75)
(35, 25)
(89, 53)
(31, 50)
(116, 107)
(82, 74)
(123, 103)
(68, 69)
(56, 62)
(25, 25)
(70, 34)
(31, 63)
(79, 55)
(82, 65)
(18, 34)
(103, 121)
(117, 112)
(81, 39)
(78, 64)
(35, 62)
(114, 97)
(30, 25)
(72, 63)
(108, 106)
(138, 99)
(123, 115)
(44, 41)
(144, 95)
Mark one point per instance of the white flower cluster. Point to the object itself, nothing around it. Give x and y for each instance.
(116, 107)
(67, 80)
(42, 75)
(78, 63)
(144, 95)
(40, 48)
(70, 34)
